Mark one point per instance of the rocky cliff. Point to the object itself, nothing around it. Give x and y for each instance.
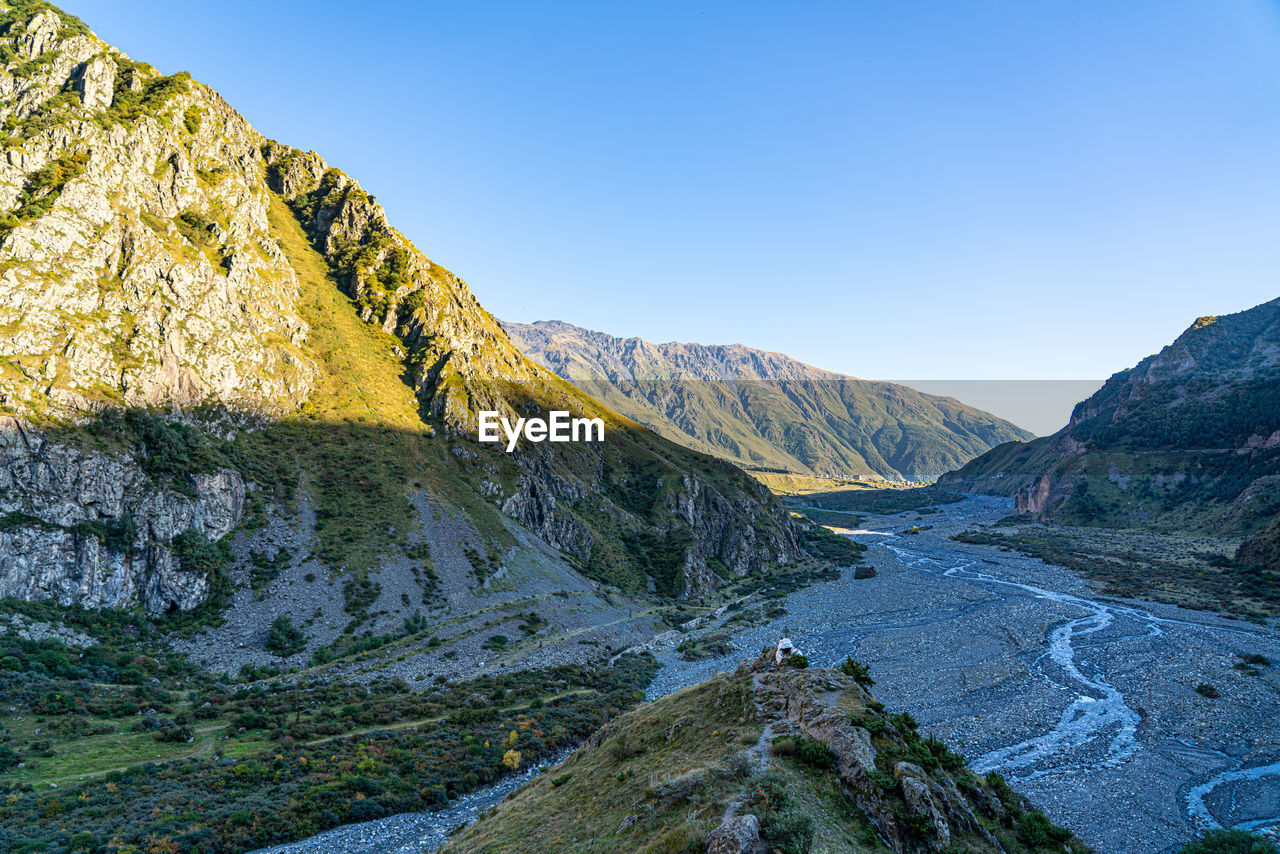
(766, 410)
(1187, 439)
(158, 255)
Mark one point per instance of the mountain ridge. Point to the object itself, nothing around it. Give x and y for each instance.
(1188, 439)
(764, 409)
(187, 299)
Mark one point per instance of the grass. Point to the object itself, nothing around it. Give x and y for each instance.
(787, 483)
(1192, 572)
(652, 761)
(359, 446)
(659, 779)
(81, 759)
(883, 501)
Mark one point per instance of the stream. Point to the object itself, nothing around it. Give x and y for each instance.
(1080, 701)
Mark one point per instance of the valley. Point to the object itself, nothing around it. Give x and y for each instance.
(1077, 698)
(264, 584)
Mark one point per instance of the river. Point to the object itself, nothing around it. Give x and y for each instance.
(1082, 702)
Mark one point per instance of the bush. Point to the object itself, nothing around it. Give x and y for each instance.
(798, 661)
(1204, 689)
(1229, 842)
(1038, 832)
(815, 753)
(809, 751)
(283, 638)
(790, 832)
(860, 672)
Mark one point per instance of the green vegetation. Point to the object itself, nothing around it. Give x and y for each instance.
(659, 778)
(1229, 842)
(859, 672)
(1193, 572)
(285, 639)
(1171, 451)
(832, 518)
(42, 189)
(882, 501)
(851, 427)
(235, 767)
(832, 547)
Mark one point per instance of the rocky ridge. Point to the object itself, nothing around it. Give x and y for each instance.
(141, 269)
(1187, 439)
(765, 758)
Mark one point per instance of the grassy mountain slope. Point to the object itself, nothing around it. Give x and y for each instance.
(1188, 440)
(235, 326)
(806, 760)
(765, 410)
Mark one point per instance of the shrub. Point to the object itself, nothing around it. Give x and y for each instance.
(1038, 832)
(1204, 689)
(784, 745)
(283, 638)
(815, 753)
(1229, 842)
(860, 672)
(791, 831)
(798, 661)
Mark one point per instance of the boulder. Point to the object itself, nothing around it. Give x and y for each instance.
(737, 835)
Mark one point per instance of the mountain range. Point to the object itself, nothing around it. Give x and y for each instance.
(1187, 440)
(765, 410)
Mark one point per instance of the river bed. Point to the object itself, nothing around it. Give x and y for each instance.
(1082, 702)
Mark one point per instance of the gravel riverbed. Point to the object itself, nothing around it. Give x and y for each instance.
(1084, 703)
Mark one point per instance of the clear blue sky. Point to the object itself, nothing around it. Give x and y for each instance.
(1048, 189)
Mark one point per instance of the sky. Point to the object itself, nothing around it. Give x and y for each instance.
(926, 188)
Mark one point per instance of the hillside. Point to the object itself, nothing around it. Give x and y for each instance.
(1188, 440)
(222, 367)
(797, 759)
(767, 411)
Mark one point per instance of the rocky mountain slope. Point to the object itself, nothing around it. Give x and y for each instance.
(764, 758)
(765, 410)
(1189, 439)
(213, 337)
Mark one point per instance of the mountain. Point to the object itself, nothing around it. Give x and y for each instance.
(222, 365)
(782, 759)
(765, 410)
(1189, 439)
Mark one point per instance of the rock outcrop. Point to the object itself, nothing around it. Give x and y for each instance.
(817, 704)
(737, 835)
(89, 528)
